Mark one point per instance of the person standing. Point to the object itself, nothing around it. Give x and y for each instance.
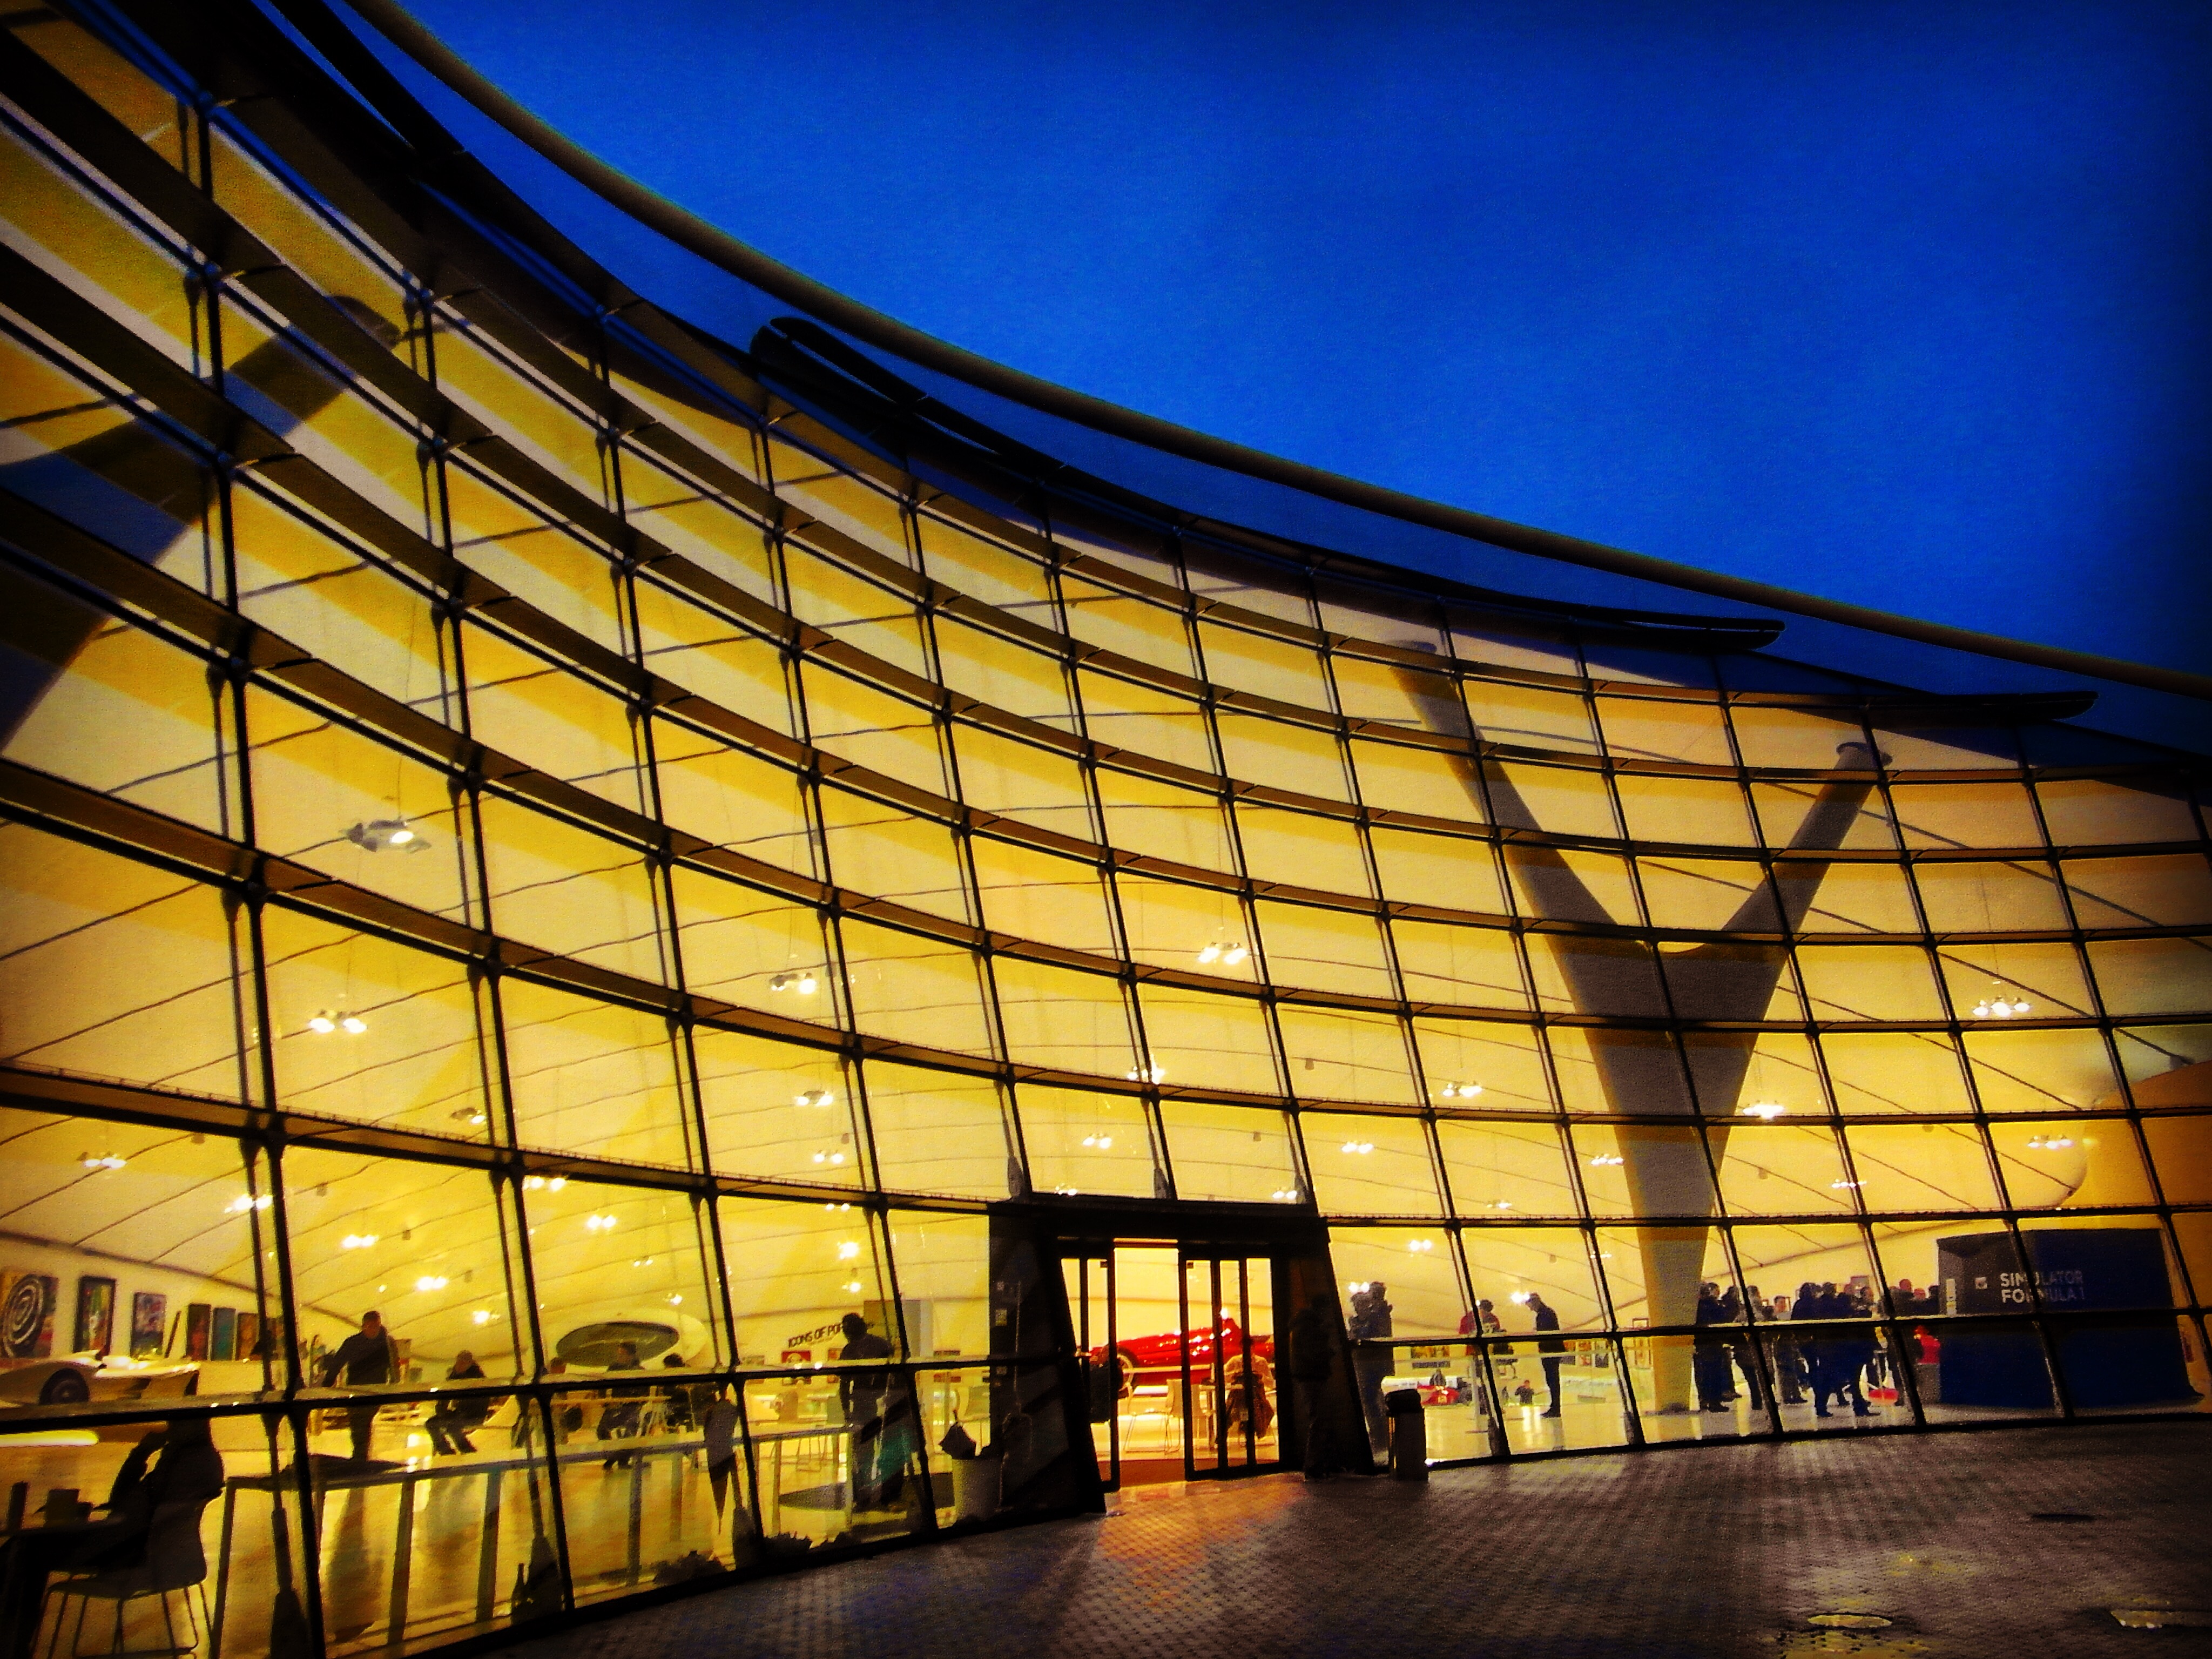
(1312, 1359)
(1709, 1355)
(625, 1412)
(1370, 1323)
(366, 1359)
(863, 1395)
(1550, 1348)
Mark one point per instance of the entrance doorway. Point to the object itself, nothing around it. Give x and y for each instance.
(1179, 1346)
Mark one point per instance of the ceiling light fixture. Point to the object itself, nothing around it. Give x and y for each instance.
(104, 1161)
(2003, 1005)
(387, 835)
(357, 1241)
(1768, 1109)
(814, 1097)
(431, 1282)
(1359, 1148)
(1152, 1072)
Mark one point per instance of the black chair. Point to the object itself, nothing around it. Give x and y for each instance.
(172, 1563)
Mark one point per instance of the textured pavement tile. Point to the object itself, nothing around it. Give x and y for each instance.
(1712, 1552)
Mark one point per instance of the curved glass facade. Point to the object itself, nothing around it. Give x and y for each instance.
(523, 816)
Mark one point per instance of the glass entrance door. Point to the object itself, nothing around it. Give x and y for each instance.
(1177, 1353)
(1229, 1365)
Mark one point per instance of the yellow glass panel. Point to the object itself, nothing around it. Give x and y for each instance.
(1798, 739)
(97, 252)
(2053, 1164)
(2181, 1150)
(1268, 668)
(1395, 777)
(308, 242)
(1921, 1166)
(1197, 929)
(1785, 809)
(793, 1269)
(1994, 814)
(912, 990)
(1393, 695)
(1124, 715)
(1323, 950)
(1132, 627)
(869, 514)
(1232, 1154)
(1478, 637)
(870, 618)
(872, 728)
(985, 570)
(1199, 1039)
(730, 798)
(1778, 1259)
(1285, 756)
(2154, 975)
(1707, 811)
(476, 373)
(602, 1252)
(1037, 786)
(369, 1030)
(2090, 813)
(147, 108)
(1868, 982)
(1578, 973)
(2175, 892)
(1301, 849)
(1710, 895)
(1496, 1066)
(570, 892)
(1530, 716)
(1733, 1072)
(1163, 821)
(1885, 1072)
(939, 1131)
(1470, 966)
(944, 1263)
(524, 706)
(1063, 1020)
(2048, 977)
(1036, 896)
(345, 611)
(886, 852)
(1078, 1142)
(1563, 801)
(112, 707)
(754, 949)
(776, 1110)
(1989, 898)
(429, 1247)
(342, 803)
(593, 1077)
(1640, 728)
(1505, 1169)
(524, 551)
(1367, 1165)
(1003, 674)
(1508, 1263)
(1407, 1270)
(1442, 870)
(2146, 1052)
(1601, 1069)
(1777, 1168)
(709, 531)
(713, 656)
(2039, 1070)
(1343, 1054)
(176, 1020)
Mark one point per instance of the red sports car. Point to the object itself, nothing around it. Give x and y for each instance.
(1148, 1360)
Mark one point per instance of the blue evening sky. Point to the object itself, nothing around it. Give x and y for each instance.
(1903, 304)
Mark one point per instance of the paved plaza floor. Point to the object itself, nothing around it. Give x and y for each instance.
(1719, 1551)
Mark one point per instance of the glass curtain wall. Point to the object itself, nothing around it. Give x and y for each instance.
(570, 920)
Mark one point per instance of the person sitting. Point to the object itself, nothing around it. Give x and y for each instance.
(622, 1415)
(451, 1421)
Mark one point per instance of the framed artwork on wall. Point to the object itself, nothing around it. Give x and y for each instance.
(197, 1320)
(27, 1314)
(96, 1315)
(149, 1314)
(245, 1342)
(223, 1334)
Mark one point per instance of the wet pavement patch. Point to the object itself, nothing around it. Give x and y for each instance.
(1850, 1621)
(2061, 1515)
(2161, 1618)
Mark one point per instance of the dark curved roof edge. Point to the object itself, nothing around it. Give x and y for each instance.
(863, 323)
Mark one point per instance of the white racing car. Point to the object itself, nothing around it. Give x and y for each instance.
(75, 1379)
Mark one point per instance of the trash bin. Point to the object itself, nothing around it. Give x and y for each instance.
(975, 1482)
(1409, 1435)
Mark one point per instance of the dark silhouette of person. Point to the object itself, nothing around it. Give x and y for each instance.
(450, 1424)
(185, 1469)
(1550, 1348)
(1313, 1358)
(878, 1450)
(1370, 1323)
(365, 1359)
(621, 1417)
(1709, 1358)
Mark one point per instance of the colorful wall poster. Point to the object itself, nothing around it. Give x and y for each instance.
(197, 1317)
(149, 1315)
(96, 1315)
(27, 1314)
(222, 1333)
